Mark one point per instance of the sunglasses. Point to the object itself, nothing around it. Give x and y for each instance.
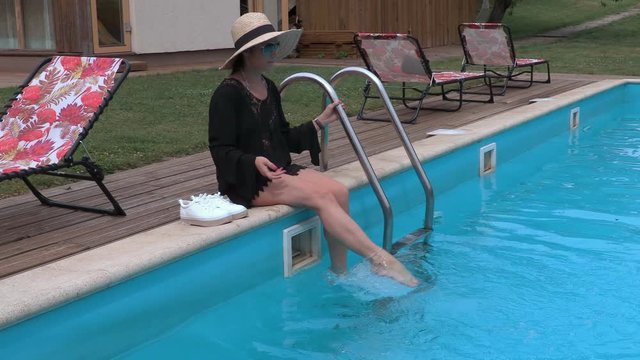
(269, 49)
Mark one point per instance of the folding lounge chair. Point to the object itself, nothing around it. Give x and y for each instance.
(490, 45)
(49, 116)
(398, 58)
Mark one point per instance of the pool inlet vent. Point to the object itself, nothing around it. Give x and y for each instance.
(574, 118)
(301, 246)
(487, 159)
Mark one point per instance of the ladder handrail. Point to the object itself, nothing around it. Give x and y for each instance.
(355, 143)
(406, 143)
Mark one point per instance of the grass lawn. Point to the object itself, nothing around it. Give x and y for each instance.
(531, 17)
(613, 50)
(162, 116)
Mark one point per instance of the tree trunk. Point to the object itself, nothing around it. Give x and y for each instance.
(485, 11)
(499, 10)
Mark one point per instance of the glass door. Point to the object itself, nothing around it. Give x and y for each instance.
(26, 24)
(111, 28)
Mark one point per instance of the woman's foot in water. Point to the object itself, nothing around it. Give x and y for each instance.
(338, 270)
(385, 264)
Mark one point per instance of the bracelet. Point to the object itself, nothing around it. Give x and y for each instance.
(317, 123)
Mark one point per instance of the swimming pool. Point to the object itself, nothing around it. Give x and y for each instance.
(536, 260)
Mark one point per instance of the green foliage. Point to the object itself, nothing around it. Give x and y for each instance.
(603, 3)
(342, 54)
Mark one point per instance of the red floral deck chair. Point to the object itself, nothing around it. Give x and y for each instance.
(490, 45)
(50, 115)
(398, 58)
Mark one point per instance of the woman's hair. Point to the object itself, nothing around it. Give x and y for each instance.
(238, 64)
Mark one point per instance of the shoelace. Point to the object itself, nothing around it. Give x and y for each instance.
(217, 198)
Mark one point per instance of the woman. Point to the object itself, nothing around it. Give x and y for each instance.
(250, 141)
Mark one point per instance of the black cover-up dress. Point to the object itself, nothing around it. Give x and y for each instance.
(242, 127)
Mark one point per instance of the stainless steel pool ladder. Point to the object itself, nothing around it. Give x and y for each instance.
(330, 93)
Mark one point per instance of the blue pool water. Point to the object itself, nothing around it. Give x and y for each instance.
(545, 265)
(537, 260)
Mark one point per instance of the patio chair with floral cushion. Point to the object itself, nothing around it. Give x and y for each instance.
(50, 115)
(399, 59)
(490, 46)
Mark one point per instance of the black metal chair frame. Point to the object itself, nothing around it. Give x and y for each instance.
(93, 171)
(422, 92)
(510, 75)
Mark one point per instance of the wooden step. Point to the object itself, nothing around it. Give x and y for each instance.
(137, 65)
(327, 37)
(327, 44)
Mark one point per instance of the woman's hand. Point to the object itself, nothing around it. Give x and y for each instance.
(330, 114)
(267, 169)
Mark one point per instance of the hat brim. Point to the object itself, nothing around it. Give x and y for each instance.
(287, 39)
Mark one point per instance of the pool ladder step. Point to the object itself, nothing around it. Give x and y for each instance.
(420, 234)
(331, 96)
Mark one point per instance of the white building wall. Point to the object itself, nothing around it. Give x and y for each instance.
(272, 10)
(160, 26)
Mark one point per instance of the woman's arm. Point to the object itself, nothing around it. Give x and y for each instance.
(232, 164)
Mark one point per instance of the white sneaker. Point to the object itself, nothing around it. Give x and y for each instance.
(217, 200)
(200, 213)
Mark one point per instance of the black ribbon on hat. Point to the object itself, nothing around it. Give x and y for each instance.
(259, 31)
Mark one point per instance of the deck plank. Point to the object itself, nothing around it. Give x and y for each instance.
(33, 234)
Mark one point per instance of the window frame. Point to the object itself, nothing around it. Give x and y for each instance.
(126, 24)
(20, 29)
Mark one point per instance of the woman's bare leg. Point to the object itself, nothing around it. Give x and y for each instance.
(301, 190)
(298, 191)
(337, 250)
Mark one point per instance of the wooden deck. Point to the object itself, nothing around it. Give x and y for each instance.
(32, 234)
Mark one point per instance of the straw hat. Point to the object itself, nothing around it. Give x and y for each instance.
(252, 29)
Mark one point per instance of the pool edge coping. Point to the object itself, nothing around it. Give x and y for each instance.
(35, 291)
